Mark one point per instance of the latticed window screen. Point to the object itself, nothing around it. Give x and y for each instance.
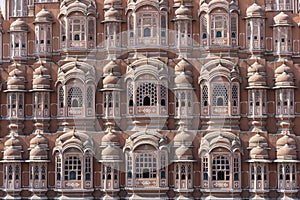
(129, 166)
(17, 172)
(220, 168)
(147, 94)
(72, 168)
(88, 168)
(163, 95)
(10, 172)
(163, 165)
(204, 27)
(61, 97)
(220, 95)
(89, 97)
(58, 168)
(236, 169)
(130, 94)
(205, 95)
(43, 172)
(235, 95)
(205, 168)
(75, 97)
(145, 165)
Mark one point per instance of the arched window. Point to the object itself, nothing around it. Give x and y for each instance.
(219, 34)
(147, 94)
(75, 98)
(220, 95)
(147, 32)
(61, 97)
(72, 168)
(220, 168)
(146, 101)
(89, 97)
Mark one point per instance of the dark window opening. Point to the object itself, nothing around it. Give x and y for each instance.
(221, 175)
(76, 37)
(219, 34)
(146, 101)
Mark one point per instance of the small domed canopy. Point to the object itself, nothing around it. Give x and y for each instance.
(255, 11)
(12, 148)
(286, 139)
(257, 79)
(112, 15)
(183, 153)
(284, 77)
(286, 153)
(39, 139)
(16, 79)
(12, 154)
(41, 82)
(283, 68)
(258, 140)
(256, 67)
(38, 153)
(109, 3)
(183, 12)
(110, 138)
(112, 68)
(19, 26)
(41, 70)
(183, 66)
(258, 153)
(112, 153)
(282, 19)
(110, 79)
(44, 16)
(183, 138)
(182, 78)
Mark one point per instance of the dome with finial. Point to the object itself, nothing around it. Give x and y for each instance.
(255, 10)
(19, 25)
(282, 19)
(44, 16)
(110, 137)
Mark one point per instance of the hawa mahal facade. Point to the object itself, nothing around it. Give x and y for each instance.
(150, 99)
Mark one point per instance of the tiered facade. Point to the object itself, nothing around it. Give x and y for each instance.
(150, 99)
